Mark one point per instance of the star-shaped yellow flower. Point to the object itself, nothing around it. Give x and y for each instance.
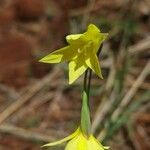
(81, 53)
(78, 141)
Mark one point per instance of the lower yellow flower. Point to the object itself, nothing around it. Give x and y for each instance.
(78, 141)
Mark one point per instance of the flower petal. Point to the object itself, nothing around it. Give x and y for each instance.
(77, 143)
(76, 68)
(72, 145)
(93, 143)
(93, 29)
(93, 63)
(63, 54)
(64, 139)
(91, 34)
(82, 144)
(72, 37)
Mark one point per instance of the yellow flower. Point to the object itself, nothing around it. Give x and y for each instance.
(81, 52)
(78, 141)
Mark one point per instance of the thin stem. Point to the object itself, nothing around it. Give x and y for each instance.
(89, 82)
(85, 111)
(85, 80)
(100, 49)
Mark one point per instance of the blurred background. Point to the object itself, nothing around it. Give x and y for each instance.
(36, 103)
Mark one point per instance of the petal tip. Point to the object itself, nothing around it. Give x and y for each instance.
(101, 76)
(106, 147)
(41, 60)
(70, 82)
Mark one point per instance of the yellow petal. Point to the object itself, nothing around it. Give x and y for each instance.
(63, 54)
(72, 145)
(80, 142)
(94, 144)
(93, 63)
(106, 147)
(96, 33)
(76, 69)
(64, 139)
(91, 34)
(97, 42)
(93, 29)
(77, 143)
(72, 37)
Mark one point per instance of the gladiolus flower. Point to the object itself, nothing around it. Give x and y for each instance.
(81, 53)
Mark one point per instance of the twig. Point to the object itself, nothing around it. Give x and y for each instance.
(57, 98)
(145, 107)
(9, 92)
(111, 76)
(25, 134)
(131, 81)
(28, 95)
(140, 47)
(127, 98)
(34, 105)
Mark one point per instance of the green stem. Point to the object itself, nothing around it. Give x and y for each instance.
(85, 110)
